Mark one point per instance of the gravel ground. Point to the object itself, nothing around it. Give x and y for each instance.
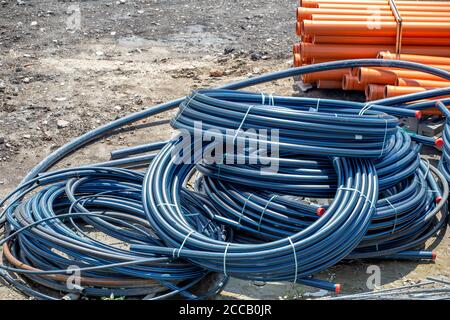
(67, 67)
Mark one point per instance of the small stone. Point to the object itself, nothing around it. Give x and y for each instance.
(255, 56)
(118, 108)
(27, 136)
(26, 80)
(256, 70)
(62, 123)
(138, 100)
(113, 33)
(228, 50)
(99, 53)
(216, 73)
(33, 23)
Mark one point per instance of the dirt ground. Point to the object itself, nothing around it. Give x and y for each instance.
(67, 67)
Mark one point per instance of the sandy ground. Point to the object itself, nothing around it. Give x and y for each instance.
(67, 67)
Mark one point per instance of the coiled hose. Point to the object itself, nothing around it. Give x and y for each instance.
(344, 225)
(314, 242)
(85, 220)
(444, 163)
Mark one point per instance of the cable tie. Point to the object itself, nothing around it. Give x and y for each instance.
(271, 100)
(242, 122)
(189, 99)
(295, 259)
(316, 109)
(263, 98)
(225, 260)
(366, 107)
(396, 215)
(191, 214)
(166, 204)
(361, 194)
(384, 139)
(182, 244)
(243, 209)
(264, 211)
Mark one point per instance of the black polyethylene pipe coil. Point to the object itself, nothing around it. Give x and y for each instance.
(91, 216)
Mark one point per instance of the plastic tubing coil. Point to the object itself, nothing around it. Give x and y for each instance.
(57, 215)
(106, 129)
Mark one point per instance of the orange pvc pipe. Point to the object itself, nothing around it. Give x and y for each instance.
(337, 52)
(335, 75)
(374, 92)
(393, 91)
(379, 7)
(306, 38)
(316, 60)
(382, 29)
(390, 76)
(425, 59)
(375, 76)
(307, 13)
(334, 17)
(419, 41)
(410, 74)
(314, 3)
(350, 82)
(296, 48)
(447, 68)
(429, 84)
(354, 71)
(297, 60)
(299, 30)
(329, 84)
(432, 112)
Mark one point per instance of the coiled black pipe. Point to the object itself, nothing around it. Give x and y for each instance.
(99, 132)
(85, 219)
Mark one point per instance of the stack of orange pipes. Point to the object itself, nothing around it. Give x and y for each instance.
(352, 29)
